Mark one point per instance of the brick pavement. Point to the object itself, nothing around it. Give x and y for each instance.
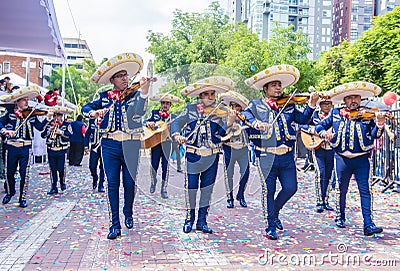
(68, 231)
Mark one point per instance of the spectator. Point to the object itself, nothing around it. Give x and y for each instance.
(76, 150)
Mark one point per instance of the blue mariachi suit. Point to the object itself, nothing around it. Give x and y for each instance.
(324, 158)
(124, 118)
(352, 142)
(236, 150)
(202, 155)
(56, 149)
(282, 135)
(160, 152)
(93, 136)
(19, 149)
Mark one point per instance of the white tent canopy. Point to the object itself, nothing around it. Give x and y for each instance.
(30, 27)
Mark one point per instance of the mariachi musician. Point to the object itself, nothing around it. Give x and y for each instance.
(121, 110)
(273, 136)
(18, 126)
(352, 139)
(161, 119)
(92, 136)
(57, 138)
(323, 155)
(236, 149)
(204, 128)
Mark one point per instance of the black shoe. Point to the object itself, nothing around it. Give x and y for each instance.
(129, 222)
(340, 223)
(63, 187)
(328, 207)
(152, 188)
(52, 191)
(22, 203)
(278, 224)
(242, 202)
(187, 227)
(271, 233)
(164, 194)
(204, 229)
(320, 208)
(101, 189)
(229, 203)
(114, 233)
(372, 229)
(94, 186)
(305, 166)
(7, 198)
(179, 170)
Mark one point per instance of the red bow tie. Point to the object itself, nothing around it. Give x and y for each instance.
(272, 103)
(163, 114)
(18, 113)
(114, 95)
(200, 108)
(345, 113)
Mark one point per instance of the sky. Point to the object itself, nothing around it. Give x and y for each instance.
(111, 27)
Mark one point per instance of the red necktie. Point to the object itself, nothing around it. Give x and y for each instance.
(323, 116)
(272, 103)
(114, 95)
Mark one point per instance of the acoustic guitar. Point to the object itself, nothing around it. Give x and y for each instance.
(311, 141)
(153, 137)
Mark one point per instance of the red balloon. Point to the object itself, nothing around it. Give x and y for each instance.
(389, 98)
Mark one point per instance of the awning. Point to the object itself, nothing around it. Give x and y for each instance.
(30, 27)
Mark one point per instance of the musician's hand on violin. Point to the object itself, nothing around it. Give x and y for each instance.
(98, 113)
(9, 133)
(263, 126)
(380, 117)
(180, 139)
(145, 85)
(314, 97)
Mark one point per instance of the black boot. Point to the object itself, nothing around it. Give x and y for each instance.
(53, 191)
(164, 194)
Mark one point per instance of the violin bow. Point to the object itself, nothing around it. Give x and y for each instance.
(26, 119)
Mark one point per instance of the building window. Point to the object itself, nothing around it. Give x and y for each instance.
(1, 69)
(6, 67)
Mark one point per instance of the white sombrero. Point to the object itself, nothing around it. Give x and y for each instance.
(165, 98)
(235, 97)
(220, 84)
(23, 92)
(364, 89)
(288, 75)
(61, 109)
(130, 62)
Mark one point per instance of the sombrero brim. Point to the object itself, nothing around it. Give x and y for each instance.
(62, 110)
(165, 98)
(24, 92)
(130, 62)
(288, 75)
(220, 84)
(234, 97)
(364, 89)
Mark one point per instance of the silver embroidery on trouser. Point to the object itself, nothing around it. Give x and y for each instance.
(370, 186)
(317, 180)
(25, 188)
(187, 200)
(337, 190)
(227, 188)
(264, 191)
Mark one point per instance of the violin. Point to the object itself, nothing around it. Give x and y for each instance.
(133, 87)
(36, 112)
(367, 113)
(299, 98)
(219, 112)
